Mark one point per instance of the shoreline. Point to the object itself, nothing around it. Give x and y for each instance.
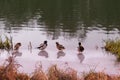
(94, 60)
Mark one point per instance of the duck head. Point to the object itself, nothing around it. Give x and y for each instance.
(57, 43)
(19, 44)
(45, 42)
(79, 43)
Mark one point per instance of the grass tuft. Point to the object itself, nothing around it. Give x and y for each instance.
(22, 76)
(113, 46)
(58, 74)
(100, 76)
(38, 74)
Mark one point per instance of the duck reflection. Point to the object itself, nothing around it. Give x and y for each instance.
(43, 53)
(81, 57)
(16, 53)
(60, 53)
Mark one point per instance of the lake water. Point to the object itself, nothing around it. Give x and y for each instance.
(67, 22)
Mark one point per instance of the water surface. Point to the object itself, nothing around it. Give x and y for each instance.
(68, 22)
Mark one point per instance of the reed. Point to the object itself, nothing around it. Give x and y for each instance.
(7, 44)
(113, 46)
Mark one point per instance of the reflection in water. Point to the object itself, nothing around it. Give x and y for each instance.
(81, 57)
(16, 53)
(43, 53)
(57, 17)
(60, 53)
(30, 47)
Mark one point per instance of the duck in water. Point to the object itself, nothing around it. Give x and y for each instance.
(17, 46)
(80, 47)
(80, 50)
(43, 45)
(59, 46)
(16, 49)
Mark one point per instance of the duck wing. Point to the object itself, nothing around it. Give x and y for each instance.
(61, 46)
(42, 46)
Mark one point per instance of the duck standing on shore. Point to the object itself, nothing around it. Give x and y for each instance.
(59, 46)
(42, 45)
(80, 47)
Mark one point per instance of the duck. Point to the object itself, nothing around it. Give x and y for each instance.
(17, 46)
(80, 47)
(42, 45)
(59, 46)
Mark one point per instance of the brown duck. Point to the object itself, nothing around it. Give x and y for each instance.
(17, 46)
(59, 46)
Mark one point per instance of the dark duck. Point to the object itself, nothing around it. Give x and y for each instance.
(43, 45)
(59, 46)
(80, 47)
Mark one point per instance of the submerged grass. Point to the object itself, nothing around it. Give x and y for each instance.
(113, 46)
(10, 71)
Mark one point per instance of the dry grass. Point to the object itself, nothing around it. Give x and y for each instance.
(22, 76)
(9, 71)
(100, 76)
(97, 76)
(38, 74)
(58, 74)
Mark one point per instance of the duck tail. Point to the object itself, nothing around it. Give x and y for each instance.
(63, 47)
(38, 47)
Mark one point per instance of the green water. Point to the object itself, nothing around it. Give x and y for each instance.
(56, 18)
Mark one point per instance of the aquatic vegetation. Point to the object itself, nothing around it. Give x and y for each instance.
(1, 43)
(113, 46)
(7, 44)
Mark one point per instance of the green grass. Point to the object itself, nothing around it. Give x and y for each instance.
(6, 44)
(113, 46)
